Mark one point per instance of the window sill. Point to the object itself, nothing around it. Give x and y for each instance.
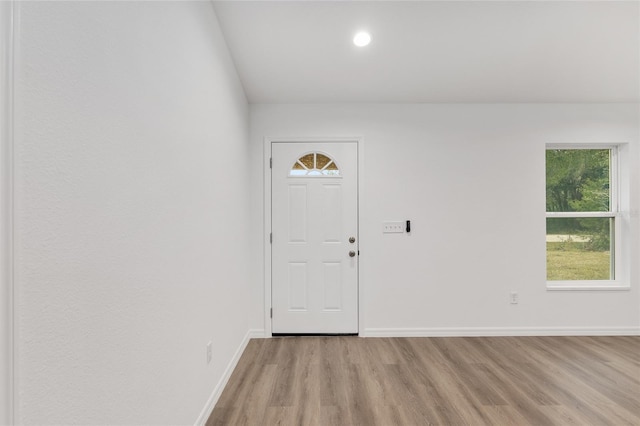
(586, 286)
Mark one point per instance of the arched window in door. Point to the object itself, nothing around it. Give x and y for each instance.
(314, 164)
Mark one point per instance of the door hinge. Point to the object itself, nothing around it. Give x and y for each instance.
(271, 313)
(271, 238)
(271, 162)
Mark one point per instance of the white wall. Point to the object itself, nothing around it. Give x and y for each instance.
(131, 211)
(6, 285)
(138, 215)
(471, 179)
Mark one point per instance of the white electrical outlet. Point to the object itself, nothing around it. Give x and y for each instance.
(393, 227)
(513, 297)
(209, 353)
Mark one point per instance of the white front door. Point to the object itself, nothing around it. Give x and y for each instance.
(315, 237)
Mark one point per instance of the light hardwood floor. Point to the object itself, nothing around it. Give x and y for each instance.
(424, 381)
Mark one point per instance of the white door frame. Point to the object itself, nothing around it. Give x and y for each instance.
(8, 328)
(268, 141)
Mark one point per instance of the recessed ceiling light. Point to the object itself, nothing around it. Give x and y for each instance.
(362, 39)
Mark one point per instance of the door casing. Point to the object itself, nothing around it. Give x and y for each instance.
(268, 141)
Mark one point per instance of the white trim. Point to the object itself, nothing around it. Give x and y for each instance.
(501, 331)
(614, 176)
(8, 395)
(362, 254)
(583, 145)
(619, 268)
(586, 286)
(257, 333)
(266, 202)
(582, 214)
(359, 140)
(217, 391)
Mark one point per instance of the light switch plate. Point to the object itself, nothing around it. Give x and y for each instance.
(393, 227)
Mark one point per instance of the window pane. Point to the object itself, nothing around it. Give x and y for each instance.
(321, 161)
(308, 161)
(580, 248)
(578, 180)
(314, 165)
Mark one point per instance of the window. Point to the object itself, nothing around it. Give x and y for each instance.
(582, 216)
(314, 164)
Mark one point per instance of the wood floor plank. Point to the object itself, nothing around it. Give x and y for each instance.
(506, 415)
(349, 381)
(411, 397)
(592, 373)
(361, 398)
(516, 395)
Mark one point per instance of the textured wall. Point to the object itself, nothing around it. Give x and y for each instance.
(131, 211)
(6, 322)
(471, 179)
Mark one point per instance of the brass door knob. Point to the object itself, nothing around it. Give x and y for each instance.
(352, 253)
(352, 240)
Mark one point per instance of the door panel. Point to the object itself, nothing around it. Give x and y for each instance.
(297, 213)
(298, 286)
(332, 286)
(314, 212)
(331, 219)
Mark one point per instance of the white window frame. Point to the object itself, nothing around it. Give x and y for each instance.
(320, 173)
(619, 281)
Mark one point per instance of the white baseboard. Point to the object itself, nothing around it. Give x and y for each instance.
(501, 331)
(257, 333)
(217, 391)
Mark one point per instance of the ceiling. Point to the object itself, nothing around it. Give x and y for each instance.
(435, 51)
